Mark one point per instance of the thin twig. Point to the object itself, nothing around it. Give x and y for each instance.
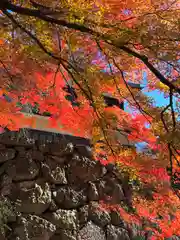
(6, 70)
(162, 117)
(6, 5)
(172, 109)
(31, 36)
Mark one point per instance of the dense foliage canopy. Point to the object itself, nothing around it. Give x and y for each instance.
(60, 58)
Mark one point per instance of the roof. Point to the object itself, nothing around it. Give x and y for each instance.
(41, 123)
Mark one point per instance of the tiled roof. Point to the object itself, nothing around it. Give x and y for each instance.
(41, 122)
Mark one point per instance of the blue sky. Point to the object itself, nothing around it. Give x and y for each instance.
(159, 99)
(158, 96)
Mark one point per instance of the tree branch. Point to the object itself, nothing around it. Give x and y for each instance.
(162, 117)
(172, 109)
(132, 95)
(31, 35)
(6, 70)
(6, 5)
(157, 73)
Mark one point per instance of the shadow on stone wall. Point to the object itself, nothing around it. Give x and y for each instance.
(54, 187)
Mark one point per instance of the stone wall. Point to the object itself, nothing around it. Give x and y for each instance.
(51, 187)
